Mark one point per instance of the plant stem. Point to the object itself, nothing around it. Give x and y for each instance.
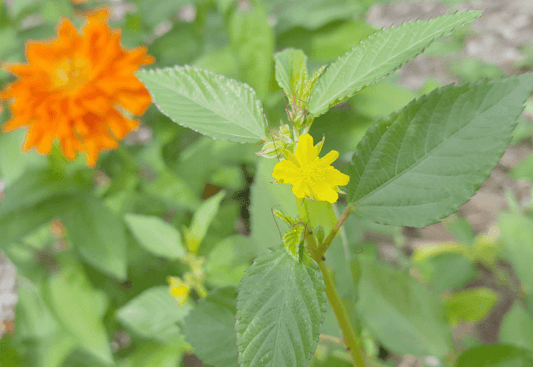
(342, 316)
(327, 242)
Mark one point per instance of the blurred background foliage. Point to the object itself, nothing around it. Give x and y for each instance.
(93, 247)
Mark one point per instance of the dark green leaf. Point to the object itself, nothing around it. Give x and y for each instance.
(209, 328)
(280, 306)
(401, 313)
(495, 356)
(419, 165)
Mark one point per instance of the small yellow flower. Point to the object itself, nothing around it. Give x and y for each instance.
(179, 290)
(310, 175)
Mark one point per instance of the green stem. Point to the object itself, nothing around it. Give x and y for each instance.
(327, 242)
(342, 316)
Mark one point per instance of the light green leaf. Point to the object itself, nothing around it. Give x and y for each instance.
(153, 314)
(280, 306)
(378, 56)
(293, 241)
(98, 234)
(201, 221)
(209, 328)
(156, 355)
(495, 356)
(228, 260)
(470, 305)
(72, 300)
(517, 235)
(156, 235)
(419, 165)
(206, 102)
(524, 169)
(291, 70)
(517, 328)
(252, 39)
(264, 197)
(312, 14)
(401, 313)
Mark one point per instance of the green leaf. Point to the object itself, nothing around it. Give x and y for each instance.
(72, 300)
(517, 328)
(252, 39)
(291, 70)
(403, 314)
(495, 356)
(447, 271)
(378, 56)
(264, 197)
(524, 169)
(228, 260)
(201, 221)
(293, 241)
(209, 328)
(470, 305)
(280, 306)
(156, 355)
(312, 14)
(208, 103)
(154, 314)
(155, 235)
(517, 235)
(419, 165)
(98, 234)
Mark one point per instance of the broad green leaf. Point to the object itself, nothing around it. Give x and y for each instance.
(447, 271)
(266, 196)
(517, 328)
(72, 300)
(153, 314)
(156, 355)
(201, 221)
(155, 12)
(32, 318)
(252, 39)
(517, 236)
(327, 43)
(209, 328)
(13, 161)
(13, 228)
(420, 164)
(496, 355)
(228, 260)
(173, 189)
(312, 14)
(470, 305)
(98, 234)
(401, 313)
(378, 56)
(156, 235)
(206, 102)
(291, 70)
(280, 306)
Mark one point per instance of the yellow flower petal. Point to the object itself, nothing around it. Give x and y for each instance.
(286, 171)
(305, 152)
(311, 176)
(329, 158)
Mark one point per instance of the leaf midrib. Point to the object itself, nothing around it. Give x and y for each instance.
(387, 182)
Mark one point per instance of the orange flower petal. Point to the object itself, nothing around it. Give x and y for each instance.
(71, 86)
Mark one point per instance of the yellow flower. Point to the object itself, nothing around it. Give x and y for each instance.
(179, 290)
(310, 175)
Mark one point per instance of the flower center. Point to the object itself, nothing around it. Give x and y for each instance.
(313, 173)
(70, 74)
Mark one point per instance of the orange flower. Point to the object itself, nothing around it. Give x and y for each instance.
(75, 87)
